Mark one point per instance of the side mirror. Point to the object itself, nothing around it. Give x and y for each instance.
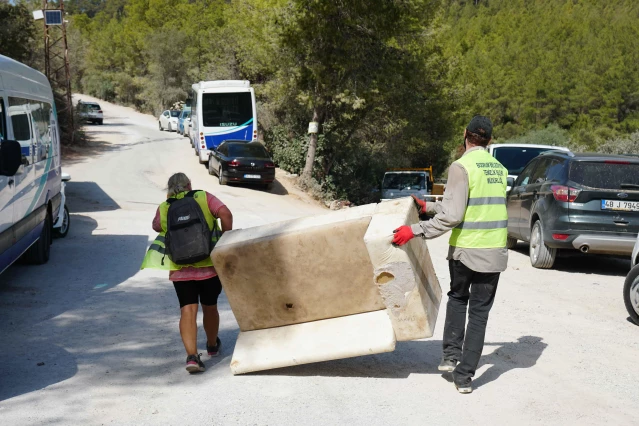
(65, 177)
(510, 182)
(10, 158)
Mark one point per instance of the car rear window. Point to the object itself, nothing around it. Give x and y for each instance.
(175, 113)
(605, 175)
(247, 150)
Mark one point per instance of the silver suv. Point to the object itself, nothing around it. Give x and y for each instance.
(90, 111)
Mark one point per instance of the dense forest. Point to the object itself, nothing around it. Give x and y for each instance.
(392, 82)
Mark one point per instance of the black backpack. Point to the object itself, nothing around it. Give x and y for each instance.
(188, 237)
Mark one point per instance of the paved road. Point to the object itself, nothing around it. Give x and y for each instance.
(559, 347)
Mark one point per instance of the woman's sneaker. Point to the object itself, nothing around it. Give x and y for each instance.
(214, 350)
(194, 364)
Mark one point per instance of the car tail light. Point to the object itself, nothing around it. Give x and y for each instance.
(565, 193)
(560, 237)
(234, 163)
(616, 162)
(100, 111)
(269, 165)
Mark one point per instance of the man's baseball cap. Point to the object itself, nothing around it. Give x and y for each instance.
(481, 126)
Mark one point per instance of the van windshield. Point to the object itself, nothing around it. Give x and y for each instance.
(400, 181)
(515, 158)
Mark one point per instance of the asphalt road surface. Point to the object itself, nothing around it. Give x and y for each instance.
(89, 339)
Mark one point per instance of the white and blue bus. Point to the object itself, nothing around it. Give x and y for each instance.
(221, 110)
(30, 175)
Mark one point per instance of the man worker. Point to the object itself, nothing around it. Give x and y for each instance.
(474, 208)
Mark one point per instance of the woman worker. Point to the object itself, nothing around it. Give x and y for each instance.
(194, 283)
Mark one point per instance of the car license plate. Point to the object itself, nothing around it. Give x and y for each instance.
(629, 206)
(252, 176)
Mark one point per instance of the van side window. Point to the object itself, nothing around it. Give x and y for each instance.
(41, 115)
(21, 123)
(3, 121)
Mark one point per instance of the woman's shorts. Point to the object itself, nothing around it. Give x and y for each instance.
(205, 292)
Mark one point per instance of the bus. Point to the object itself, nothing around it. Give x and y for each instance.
(30, 174)
(221, 110)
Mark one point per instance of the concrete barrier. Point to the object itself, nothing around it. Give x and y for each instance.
(327, 287)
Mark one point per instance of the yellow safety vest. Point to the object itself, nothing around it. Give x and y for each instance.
(485, 223)
(156, 256)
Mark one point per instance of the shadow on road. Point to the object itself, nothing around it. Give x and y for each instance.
(573, 261)
(29, 334)
(85, 197)
(422, 357)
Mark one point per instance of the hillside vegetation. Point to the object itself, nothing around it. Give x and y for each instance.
(392, 82)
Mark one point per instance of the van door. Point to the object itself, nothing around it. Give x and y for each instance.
(23, 132)
(6, 187)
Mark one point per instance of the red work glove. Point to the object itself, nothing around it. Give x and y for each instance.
(403, 234)
(421, 204)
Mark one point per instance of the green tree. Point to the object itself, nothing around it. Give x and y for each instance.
(17, 31)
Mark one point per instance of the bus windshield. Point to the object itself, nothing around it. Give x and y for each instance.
(226, 109)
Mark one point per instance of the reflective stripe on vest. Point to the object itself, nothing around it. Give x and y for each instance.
(156, 257)
(485, 223)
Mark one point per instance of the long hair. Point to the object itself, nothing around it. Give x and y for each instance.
(179, 182)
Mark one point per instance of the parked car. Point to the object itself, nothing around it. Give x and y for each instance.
(90, 111)
(586, 202)
(514, 156)
(631, 286)
(169, 120)
(398, 183)
(184, 115)
(242, 161)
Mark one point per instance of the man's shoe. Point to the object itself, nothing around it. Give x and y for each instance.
(194, 364)
(214, 350)
(465, 388)
(447, 365)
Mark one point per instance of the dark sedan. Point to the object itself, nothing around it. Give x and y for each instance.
(242, 162)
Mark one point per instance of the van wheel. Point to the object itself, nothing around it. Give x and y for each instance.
(221, 179)
(511, 243)
(541, 256)
(38, 253)
(63, 230)
(631, 294)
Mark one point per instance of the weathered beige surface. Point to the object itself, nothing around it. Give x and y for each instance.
(298, 271)
(405, 275)
(335, 338)
(283, 279)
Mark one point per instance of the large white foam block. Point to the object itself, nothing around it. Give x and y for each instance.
(325, 340)
(332, 266)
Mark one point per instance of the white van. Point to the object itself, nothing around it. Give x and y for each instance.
(515, 156)
(30, 175)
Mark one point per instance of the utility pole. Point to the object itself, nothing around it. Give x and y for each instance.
(56, 57)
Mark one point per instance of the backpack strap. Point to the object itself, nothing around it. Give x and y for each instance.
(189, 194)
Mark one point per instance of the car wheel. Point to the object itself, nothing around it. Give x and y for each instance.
(511, 243)
(160, 126)
(170, 127)
(541, 256)
(631, 294)
(267, 186)
(100, 122)
(38, 253)
(211, 171)
(221, 179)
